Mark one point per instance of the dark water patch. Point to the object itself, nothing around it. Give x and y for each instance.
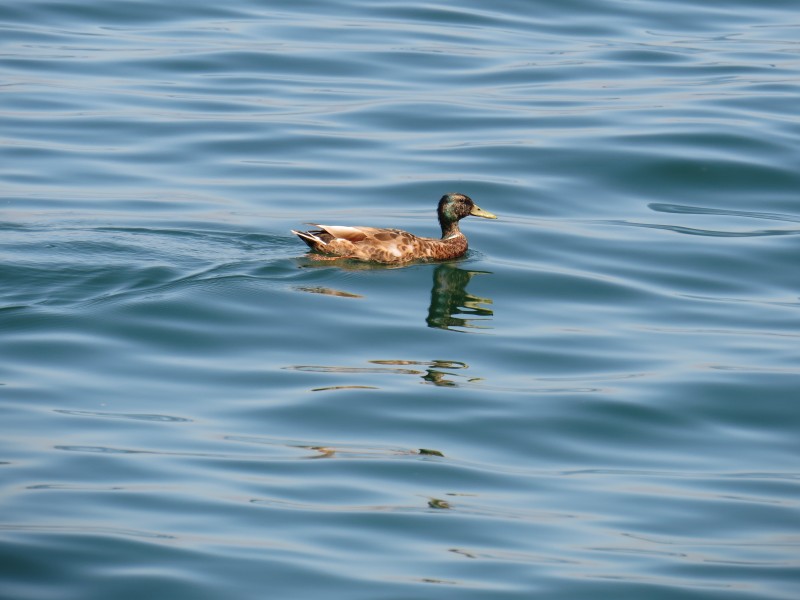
(699, 210)
(132, 417)
(49, 529)
(78, 488)
(711, 233)
(344, 387)
(100, 450)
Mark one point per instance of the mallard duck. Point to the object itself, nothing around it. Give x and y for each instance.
(395, 245)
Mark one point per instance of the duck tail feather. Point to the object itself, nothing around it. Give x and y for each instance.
(309, 238)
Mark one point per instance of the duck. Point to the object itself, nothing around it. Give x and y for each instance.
(395, 246)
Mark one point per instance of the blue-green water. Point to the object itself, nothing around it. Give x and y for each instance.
(602, 400)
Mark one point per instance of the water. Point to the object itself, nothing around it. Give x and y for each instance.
(600, 400)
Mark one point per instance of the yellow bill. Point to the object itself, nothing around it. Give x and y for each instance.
(477, 211)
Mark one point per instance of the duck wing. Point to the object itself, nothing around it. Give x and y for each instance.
(366, 243)
(344, 232)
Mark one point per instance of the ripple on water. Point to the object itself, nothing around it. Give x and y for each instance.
(598, 400)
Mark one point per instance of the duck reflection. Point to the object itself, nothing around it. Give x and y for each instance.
(433, 372)
(452, 305)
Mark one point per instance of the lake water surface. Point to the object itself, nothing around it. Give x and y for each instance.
(601, 400)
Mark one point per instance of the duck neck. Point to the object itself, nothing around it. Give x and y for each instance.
(449, 228)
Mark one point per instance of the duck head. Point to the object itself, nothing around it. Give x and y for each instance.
(454, 207)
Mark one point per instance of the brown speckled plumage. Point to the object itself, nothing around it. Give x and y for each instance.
(395, 245)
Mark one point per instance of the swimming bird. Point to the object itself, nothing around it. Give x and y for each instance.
(394, 246)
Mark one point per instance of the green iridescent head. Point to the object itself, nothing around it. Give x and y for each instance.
(454, 207)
